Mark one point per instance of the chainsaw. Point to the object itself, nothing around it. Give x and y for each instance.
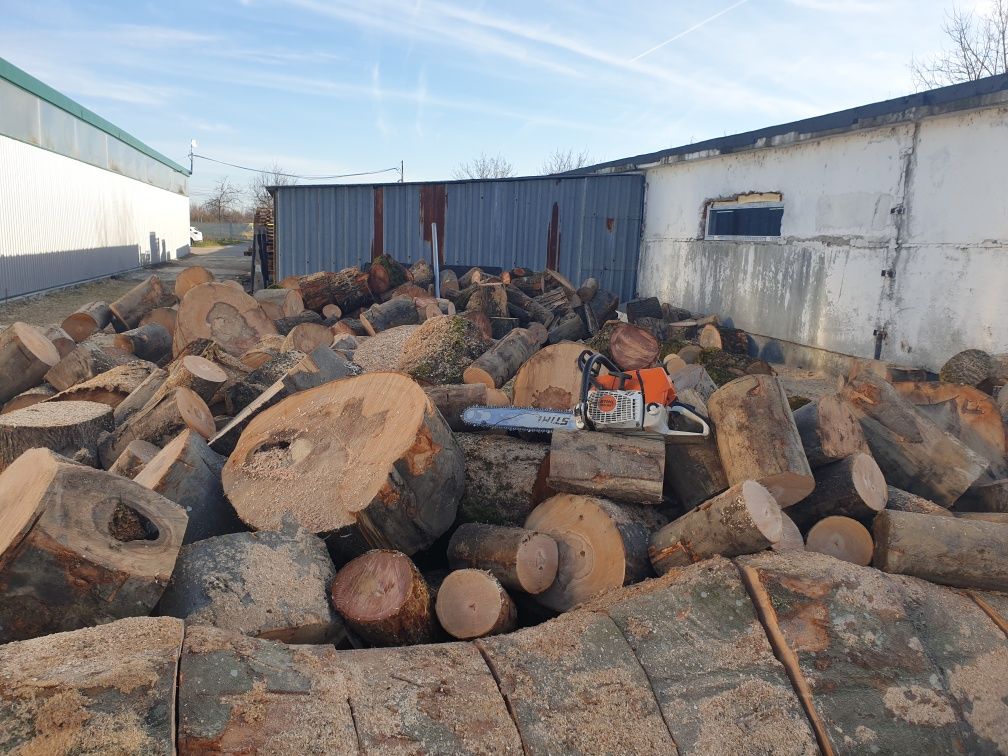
(634, 402)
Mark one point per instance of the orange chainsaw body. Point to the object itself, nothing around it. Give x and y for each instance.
(653, 383)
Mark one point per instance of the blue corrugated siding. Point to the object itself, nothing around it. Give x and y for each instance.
(502, 223)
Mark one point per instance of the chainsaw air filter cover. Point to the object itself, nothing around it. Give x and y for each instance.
(616, 409)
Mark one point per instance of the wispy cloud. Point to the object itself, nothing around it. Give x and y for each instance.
(690, 30)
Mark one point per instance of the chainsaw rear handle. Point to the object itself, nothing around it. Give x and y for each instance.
(591, 363)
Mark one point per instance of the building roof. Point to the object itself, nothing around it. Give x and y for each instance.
(43, 91)
(987, 92)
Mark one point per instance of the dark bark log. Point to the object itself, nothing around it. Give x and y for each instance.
(853, 487)
(84, 363)
(150, 342)
(395, 312)
(86, 320)
(643, 308)
(286, 325)
(611, 466)
(453, 400)
(129, 309)
(500, 476)
(829, 431)
(521, 559)
(111, 387)
(693, 472)
(501, 361)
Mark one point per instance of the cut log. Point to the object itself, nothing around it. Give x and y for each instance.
(500, 476)
(441, 349)
(829, 431)
(59, 338)
(501, 362)
(63, 427)
(570, 327)
(83, 363)
(912, 451)
(187, 472)
(332, 312)
(383, 597)
(239, 394)
(791, 538)
(86, 320)
(39, 393)
(709, 337)
(347, 288)
(281, 303)
(449, 282)
(948, 550)
(350, 326)
(603, 306)
(286, 325)
(158, 423)
(138, 397)
(422, 273)
(481, 321)
(523, 560)
(989, 497)
(290, 282)
(409, 290)
(134, 457)
(528, 306)
(641, 308)
(630, 347)
(757, 438)
(166, 317)
(673, 363)
(111, 387)
(129, 309)
(306, 337)
(970, 367)
(230, 317)
(904, 501)
(148, 342)
(395, 482)
(693, 472)
(453, 400)
(501, 327)
(108, 689)
(395, 312)
(843, 538)
(853, 487)
(245, 582)
(490, 299)
(104, 553)
(266, 350)
(197, 373)
(588, 289)
(550, 379)
(473, 604)
(25, 358)
(742, 520)
(695, 378)
(623, 468)
(385, 274)
(472, 276)
(601, 546)
(190, 277)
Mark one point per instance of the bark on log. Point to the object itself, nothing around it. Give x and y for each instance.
(286, 325)
(523, 560)
(490, 299)
(853, 487)
(166, 317)
(970, 367)
(501, 327)
(187, 472)
(449, 282)
(500, 477)
(385, 274)
(351, 326)
(111, 387)
(25, 357)
(842, 538)
(757, 438)
(912, 451)
(588, 289)
(603, 305)
(129, 309)
(396, 484)
(742, 520)
(693, 472)
(64, 427)
(904, 501)
(134, 457)
(241, 393)
(501, 362)
(422, 273)
(480, 320)
(472, 276)
(570, 327)
(86, 320)
(695, 378)
(473, 604)
(649, 307)
(40, 393)
(270, 584)
(453, 400)
(83, 363)
(601, 546)
(191, 276)
(230, 317)
(60, 339)
(148, 342)
(108, 689)
(201, 375)
(137, 399)
(829, 431)
(347, 288)
(395, 312)
(306, 337)
(989, 497)
(79, 546)
(948, 550)
(280, 303)
(526, 304)
(550, 379)
(383, 597)
(622, 468)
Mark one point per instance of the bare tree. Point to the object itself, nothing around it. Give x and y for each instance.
(978, 48)
(561, 161)
(272, 176)
(484, 167)
(222, 200)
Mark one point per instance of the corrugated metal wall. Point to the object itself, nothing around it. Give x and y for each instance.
(582, 226)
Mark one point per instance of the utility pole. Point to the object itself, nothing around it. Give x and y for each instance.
(402, 171)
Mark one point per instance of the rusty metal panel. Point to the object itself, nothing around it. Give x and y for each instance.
(584, 225)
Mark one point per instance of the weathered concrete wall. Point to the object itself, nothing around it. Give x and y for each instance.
(923, 200)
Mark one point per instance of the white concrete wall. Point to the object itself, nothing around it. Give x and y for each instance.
(63, 221)
(821, 284)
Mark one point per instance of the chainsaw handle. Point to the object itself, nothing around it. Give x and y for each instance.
(590, 364)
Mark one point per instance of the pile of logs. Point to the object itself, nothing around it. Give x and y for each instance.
(293, 468)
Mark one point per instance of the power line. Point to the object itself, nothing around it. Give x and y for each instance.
(395, 169)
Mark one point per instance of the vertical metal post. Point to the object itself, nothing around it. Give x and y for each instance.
(437, 262)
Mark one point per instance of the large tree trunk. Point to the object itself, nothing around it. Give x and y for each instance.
(84, 363)
(624, 468)
(843, 538)
(757, 438)
(521, 559)
(223, 313)
(742, 520)
(188, 472)
(191, 276)
(500, 478)
(270, 584)
(306, 337)
(453, 400)
(86, 320)
(129, 309)
(473, 604)
(279, 303)
(853, 487)
(134, 457)
(286, 325)
(347, 288)
(500, 362)
(948, 550)
(383, 597)
(601, 546)
(550, 379)
(148, 342)
(395, 483)
(829, 431)
(64, 427)
(913, 453)
(68, 561)
(693, 471)
(386, 273)
(25, 358)
(395, 312)
(111, 387)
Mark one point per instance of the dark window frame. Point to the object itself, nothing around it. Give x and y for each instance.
(732, 216)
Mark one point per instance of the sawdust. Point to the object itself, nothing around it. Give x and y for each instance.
(440, 349)
(55, 414)
(984, 683)
(919, 705)
(383, 350)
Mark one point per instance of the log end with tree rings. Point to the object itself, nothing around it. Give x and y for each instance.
(843, 538)
(537, 563)
(473, 604)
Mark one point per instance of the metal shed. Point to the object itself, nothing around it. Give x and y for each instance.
(579, 225)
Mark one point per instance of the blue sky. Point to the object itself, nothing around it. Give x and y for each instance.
(328, 87)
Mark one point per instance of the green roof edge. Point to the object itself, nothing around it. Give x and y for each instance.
(43, 91)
